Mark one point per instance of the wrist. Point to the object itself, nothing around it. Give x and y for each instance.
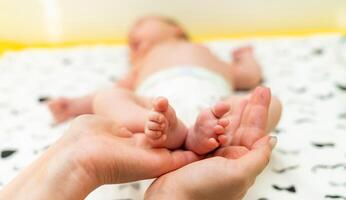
(65, 167)
(53, 176)
(63, 176)
(163, 189)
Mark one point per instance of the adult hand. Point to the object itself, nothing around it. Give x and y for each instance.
(227, 176)
(234, 169)
(115, 155)
(94, 151)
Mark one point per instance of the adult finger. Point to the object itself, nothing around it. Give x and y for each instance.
(234, 118)
(162, 161)
(254, 119)
(257, 159)
(120, 131)
(181, 158)
(232, 152)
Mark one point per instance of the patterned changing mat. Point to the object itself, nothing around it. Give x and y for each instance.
(307, 74)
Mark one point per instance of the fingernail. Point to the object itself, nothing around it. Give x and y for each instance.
(272, 141)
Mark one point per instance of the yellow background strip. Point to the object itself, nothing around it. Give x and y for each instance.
(14, 46)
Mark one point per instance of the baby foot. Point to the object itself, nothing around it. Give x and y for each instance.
(163, 127)
(244, 56)
(242, 53)
(61, 109)
(209, 129)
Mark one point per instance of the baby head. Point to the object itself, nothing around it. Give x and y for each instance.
(150, 30)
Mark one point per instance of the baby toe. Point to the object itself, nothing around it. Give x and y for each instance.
(220, 109)
(212, 144)
(223, 122)
(158, 142)
(219, 130)
(223, 139)
(156, 117)
(153, 134)
(161, 104)
(154, 126)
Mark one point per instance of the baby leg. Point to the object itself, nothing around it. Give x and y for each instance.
(124, 107)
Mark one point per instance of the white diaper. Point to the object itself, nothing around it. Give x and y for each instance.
(189, 89)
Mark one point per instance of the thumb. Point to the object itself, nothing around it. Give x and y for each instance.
(181, 158)
(232, 152)
(258, 158)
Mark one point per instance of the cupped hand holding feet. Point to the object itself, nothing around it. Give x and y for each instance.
(226, 176)
(94, 151)
(216, 126)
(233, 169)
(107, 146)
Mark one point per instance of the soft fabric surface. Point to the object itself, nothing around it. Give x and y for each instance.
(307, 74)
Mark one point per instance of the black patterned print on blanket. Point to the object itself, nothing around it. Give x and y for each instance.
(291, 188)
(342, 116)
(43, 99)
(7, 153)
(336, 184)
(66, 62)
(14, 112)
(300, 90)
(287, 152)
(278, 130)
(113, 78)
(321, 145)
(341, 86)
(135, 186)
(317, 51)
(332, 167)
(304, 120)
(285, 169)
(329, 196)
(324, 97)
